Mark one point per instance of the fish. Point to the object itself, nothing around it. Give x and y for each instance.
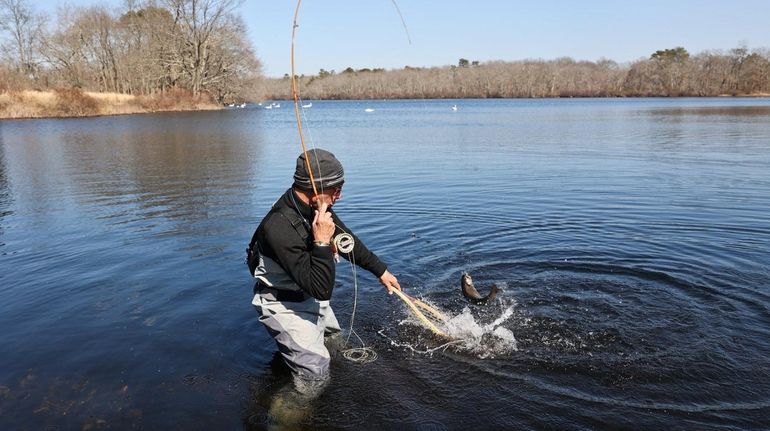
(473, 295)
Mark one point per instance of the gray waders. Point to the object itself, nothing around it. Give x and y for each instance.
(296, 321)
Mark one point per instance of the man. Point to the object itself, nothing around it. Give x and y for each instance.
(292, 256)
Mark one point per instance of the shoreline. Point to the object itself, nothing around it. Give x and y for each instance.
(747, 96)
(74, 103)
(63, 104)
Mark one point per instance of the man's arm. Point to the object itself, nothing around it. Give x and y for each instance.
(366, 259)
(312, 269)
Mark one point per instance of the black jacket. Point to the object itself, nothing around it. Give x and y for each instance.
(291, 246)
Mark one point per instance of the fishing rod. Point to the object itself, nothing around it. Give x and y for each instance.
(295, 96)
(411, 302)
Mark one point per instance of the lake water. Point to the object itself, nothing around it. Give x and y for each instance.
(630, 237)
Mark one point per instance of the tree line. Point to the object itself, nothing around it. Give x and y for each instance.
(151, 47)
(666, 73)
(146, 47)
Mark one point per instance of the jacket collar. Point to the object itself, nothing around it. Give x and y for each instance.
(293, 201)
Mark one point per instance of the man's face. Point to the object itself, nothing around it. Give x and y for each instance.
(330, 196)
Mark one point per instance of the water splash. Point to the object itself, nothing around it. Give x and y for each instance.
(484, 340)
(468, 331)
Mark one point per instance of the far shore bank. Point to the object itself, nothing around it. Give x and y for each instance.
(306, 99)
(74, 103)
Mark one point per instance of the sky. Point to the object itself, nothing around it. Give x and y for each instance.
(336, 34)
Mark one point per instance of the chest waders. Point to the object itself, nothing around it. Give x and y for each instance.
(296, 321)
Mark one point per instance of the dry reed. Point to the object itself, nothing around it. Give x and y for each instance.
(77, 103)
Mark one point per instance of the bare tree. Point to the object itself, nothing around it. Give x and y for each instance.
(147, 48)
(198, 28)
(62, 50)
(234, 72)
(95, 26)
(200, 46)
(25, 28)
(671, 72)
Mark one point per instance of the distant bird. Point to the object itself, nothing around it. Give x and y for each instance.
(269, 107)
(368, 110)
(242, 105)
(308, 105)
(454, 107)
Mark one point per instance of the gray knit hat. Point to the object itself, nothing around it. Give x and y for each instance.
(327, 171)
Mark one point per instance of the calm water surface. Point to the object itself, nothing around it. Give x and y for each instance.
(630, 237)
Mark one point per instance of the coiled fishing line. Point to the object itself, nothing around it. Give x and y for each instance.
(361, 355)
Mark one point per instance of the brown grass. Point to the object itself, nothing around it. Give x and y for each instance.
(77, 103)
(73, 102)
(176, 100)
(25, 104)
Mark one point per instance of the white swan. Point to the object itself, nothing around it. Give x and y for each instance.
(454, 107)
(368, 110)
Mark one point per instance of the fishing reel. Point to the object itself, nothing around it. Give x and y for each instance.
(344, 243)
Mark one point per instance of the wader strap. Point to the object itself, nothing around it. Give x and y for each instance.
(297, 221)
(300, 225)
(273, 282)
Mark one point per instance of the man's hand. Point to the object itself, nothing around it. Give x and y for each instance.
(323, 224)
(390, 282)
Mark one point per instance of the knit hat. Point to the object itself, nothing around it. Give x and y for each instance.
(327, 171)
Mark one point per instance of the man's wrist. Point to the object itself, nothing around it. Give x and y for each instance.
(321, 244)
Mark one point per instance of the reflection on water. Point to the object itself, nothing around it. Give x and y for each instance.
(743, 112)
(629, 237)
(156, 165)
(5, 192)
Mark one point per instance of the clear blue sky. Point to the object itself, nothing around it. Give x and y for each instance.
(335, 34)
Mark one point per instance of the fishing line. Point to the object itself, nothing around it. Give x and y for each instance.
(295, 96)
(442, 347)
(344, 243)
(361, 354)
(309, 130)
(406, 30)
